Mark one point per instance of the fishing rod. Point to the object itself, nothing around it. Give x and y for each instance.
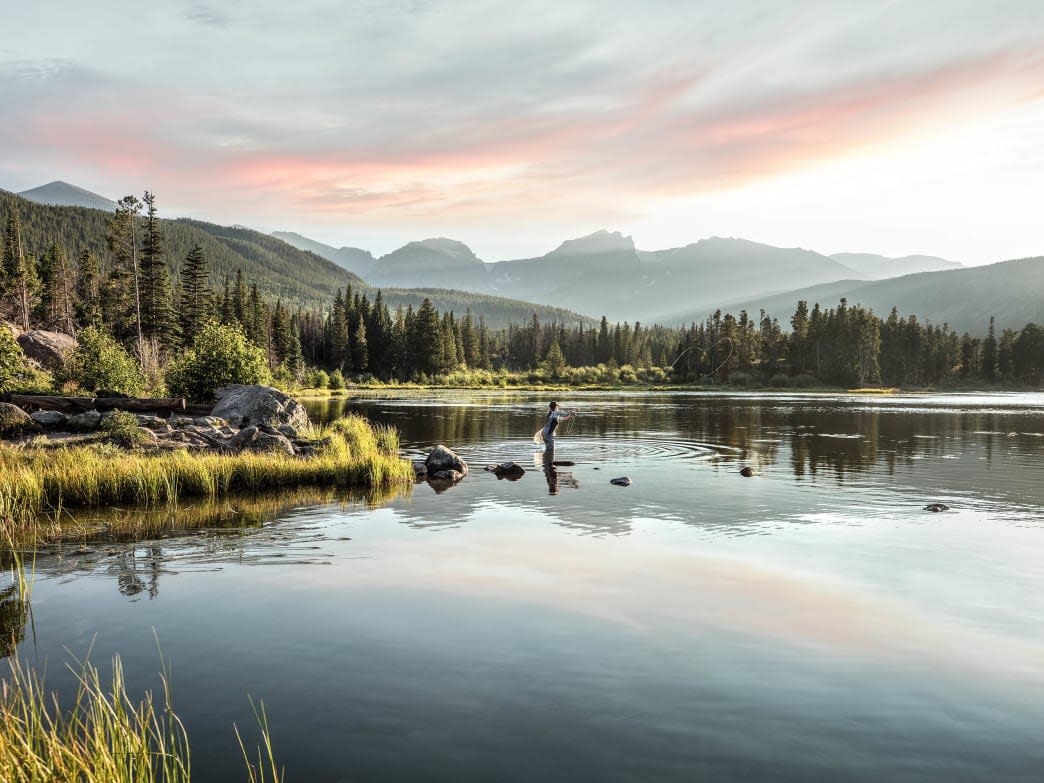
(711, 347)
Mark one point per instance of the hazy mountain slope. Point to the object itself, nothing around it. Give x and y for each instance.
(875, 267)
(965, 298)
(716, 270)
(497, 310)
(278, 269)
(431, 263)
(355, 260)
(596, 274)
(62, 194)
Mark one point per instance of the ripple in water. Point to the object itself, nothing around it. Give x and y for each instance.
(584, 450)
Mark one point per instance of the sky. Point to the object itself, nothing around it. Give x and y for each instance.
(884, 127)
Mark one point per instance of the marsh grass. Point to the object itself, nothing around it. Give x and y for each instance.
(39, 486)
(105, 735)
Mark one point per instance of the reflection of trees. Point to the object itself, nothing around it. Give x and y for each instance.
(14, 613)
(748, 430)
(200, 532)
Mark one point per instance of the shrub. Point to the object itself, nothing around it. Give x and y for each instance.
(122, 429)
(221, 354)
(319, 379)
(804, 381)
(779, 380)
(336, 380)
(99, 362)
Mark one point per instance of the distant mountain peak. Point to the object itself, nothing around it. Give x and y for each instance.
(601, 241)
(445, 246)
(64, 194)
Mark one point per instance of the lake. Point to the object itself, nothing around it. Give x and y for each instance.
(812, 622)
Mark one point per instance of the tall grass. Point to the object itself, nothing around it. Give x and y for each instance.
(105, 736)
(37, 484)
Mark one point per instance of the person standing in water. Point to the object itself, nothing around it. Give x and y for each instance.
(554, 416)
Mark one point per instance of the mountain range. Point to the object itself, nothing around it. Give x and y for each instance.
(605, 274)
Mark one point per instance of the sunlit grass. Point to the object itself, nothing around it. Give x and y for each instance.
(37, 485)
(105, 735)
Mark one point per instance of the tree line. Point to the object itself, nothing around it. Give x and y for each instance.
(126, 291)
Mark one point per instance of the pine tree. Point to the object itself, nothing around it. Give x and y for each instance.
(20, 278)
(196, 301)
(360, 354)
(121, 298)
(88, 290)
(56, 299)
(157, 316)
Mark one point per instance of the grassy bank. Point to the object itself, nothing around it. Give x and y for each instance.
(39, 485)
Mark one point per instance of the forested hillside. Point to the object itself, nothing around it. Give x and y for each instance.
(279, 270)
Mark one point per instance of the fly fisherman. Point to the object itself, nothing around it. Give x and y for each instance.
(554, 416)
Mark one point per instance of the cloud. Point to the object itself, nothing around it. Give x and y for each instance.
(487, 112)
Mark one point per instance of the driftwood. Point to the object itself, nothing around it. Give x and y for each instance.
(169, 406)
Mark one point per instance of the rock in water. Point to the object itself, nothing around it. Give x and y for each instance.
(442, 458)
(936, 507)
(242, 405)
(747, 472)
(511, 471)
(622, 481)
(47, 348)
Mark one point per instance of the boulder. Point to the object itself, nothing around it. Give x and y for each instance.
(936, 507)
(443, 459)
(88, 420)
(49, 418)
(151, 422)
(420, 470)
(747, 472)
(446, 475)
(47, 348)
(243, 438)
(622, 481)
(15, 421)
(242, 405)
(267, 441)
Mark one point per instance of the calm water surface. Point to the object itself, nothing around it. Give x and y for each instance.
(810, 623)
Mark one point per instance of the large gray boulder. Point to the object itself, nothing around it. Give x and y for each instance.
(241, 406)
(47, 348)
(443, 459)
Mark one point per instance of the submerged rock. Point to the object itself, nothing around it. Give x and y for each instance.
(936, 507)
(622, 481)
(442, 459)
(747, 472)
(446, 475)
(511, 471)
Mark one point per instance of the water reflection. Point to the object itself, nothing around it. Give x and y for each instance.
(146, 544)
(832, 437)
(14, 614)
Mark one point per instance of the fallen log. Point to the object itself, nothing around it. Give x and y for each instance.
(51, 403)
(132, 404)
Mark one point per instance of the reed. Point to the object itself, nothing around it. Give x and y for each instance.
(106, 735)
(37, 485)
